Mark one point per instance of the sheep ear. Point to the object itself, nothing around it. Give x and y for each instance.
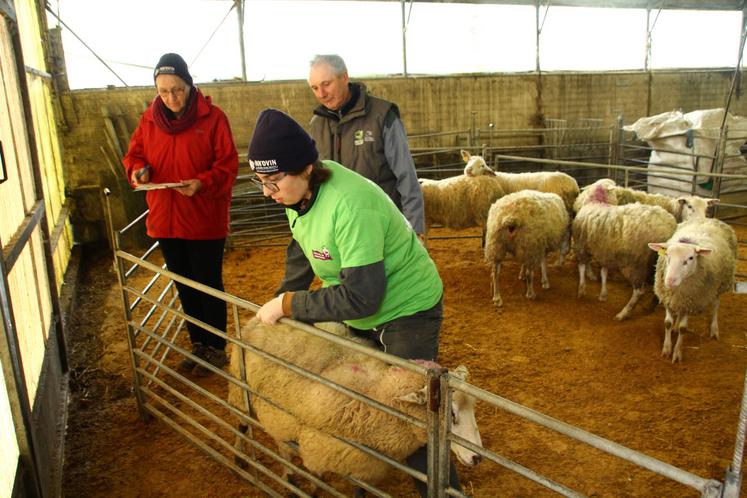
(712, 202)
(657, 246)
(702, 251)
(460, 372)
(465, 155)
(418, 397)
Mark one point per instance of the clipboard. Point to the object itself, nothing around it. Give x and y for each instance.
(158, 186)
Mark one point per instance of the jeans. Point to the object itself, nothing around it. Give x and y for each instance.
(413, 337)
(202, 261)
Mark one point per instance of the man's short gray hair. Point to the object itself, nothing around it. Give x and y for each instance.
(334, 61)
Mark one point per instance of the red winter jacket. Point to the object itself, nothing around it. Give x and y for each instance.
(205, 151)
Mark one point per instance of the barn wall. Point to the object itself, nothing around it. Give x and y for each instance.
(427, 104)
(33, 364)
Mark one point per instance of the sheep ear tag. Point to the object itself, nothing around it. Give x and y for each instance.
(662, 252)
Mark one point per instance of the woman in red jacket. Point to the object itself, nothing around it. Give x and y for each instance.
(183, 138)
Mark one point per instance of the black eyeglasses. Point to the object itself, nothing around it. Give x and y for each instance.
(271, 186)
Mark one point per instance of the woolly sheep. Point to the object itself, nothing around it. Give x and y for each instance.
(460, 201)
(311, 411)
(554, 182)
(683, 208)
(616, 237)
(527, 225)
(695, 266)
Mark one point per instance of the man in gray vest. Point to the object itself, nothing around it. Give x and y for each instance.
(364, 133)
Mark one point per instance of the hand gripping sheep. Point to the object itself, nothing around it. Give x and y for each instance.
(695, 266)
(292, 407)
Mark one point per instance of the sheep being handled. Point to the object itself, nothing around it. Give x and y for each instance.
(617, 237)
(292, 407)
(527, 225)
(695, 266)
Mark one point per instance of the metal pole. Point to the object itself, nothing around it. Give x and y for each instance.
(404, 39)
(733, 480)
(240, 12)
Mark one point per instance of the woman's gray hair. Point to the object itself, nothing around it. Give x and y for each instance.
(334, 61)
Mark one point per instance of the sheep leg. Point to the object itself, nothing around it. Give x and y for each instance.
(669, 319)
(530, 283)
(628, 309)
(681, 331)
(543, 269)
(581, 280)
(603, 292)
(239, 445)
(714, 320)
(523, 272)
(497, 301)
(565, 247)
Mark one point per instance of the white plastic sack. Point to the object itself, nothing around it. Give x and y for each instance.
(687, 142)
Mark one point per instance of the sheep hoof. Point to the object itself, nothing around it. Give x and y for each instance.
(603, 297)
(546, 285)
(677, 357)
(531, 296)
(621, 316)
(498, 302)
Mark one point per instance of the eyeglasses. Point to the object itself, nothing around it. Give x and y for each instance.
(174, 92)
(271, 186)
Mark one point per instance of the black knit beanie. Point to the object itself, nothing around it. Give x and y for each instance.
(172, 64)
(280, 144)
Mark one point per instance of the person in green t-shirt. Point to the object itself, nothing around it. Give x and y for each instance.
(376, 275)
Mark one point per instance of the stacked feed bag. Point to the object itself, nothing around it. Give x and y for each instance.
(688, 142)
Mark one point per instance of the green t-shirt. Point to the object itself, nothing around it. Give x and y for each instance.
(354, 223)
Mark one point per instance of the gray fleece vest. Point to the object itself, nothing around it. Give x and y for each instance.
(356, 141)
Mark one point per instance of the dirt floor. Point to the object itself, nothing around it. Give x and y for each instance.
(559, 355)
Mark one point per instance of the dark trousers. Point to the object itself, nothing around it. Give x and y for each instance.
(413, 337)
(202, 261)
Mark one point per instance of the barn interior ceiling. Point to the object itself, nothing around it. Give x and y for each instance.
(620, 4)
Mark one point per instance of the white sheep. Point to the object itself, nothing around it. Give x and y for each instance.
(460, 201)
(554, 182)
(302, 410)
(527, 225)
(695, 266)
(617, 237)
(683, 208)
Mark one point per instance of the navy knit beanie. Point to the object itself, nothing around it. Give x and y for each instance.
(280, 144)
(172, 64)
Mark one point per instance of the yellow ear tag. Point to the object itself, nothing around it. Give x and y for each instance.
(662, 252)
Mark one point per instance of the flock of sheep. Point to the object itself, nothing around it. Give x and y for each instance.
(649, 238)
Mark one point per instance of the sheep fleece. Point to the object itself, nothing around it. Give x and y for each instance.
(618, 237)
(315, 410)
(715, 273)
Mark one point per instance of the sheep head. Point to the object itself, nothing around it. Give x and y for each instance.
(681, 258)
(476, 165)
(693, 207)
